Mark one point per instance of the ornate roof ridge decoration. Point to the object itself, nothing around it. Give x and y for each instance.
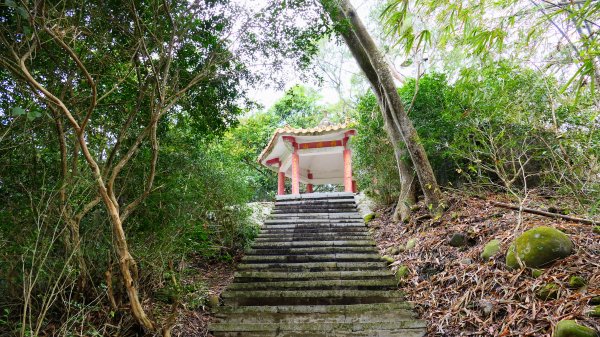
(288, 130)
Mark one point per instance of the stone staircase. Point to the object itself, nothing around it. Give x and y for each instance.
(314, 271)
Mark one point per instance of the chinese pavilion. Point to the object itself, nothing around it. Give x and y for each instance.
(314, 156)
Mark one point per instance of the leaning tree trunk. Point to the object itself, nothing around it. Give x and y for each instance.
(374, 66)
(408, 180)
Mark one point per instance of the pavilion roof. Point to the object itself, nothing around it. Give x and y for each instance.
(322, 129)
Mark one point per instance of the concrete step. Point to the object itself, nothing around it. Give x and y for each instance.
(321, 327)
(311, 258)
(336, 333)
(308, 220)
(366, 316)
(313, 237)
(316, 195)
(316, 226)
(346, 215)
(293, 244)
(337, 208)
(309, 297)
(321, 229)
(316, 309)
(375, 284)
(311, 250)
(270, 276)
(314, 266)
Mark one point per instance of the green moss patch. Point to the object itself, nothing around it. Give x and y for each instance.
(538, 247)
(490, 249)
(568, 328)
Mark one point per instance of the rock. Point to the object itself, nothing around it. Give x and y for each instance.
(457, 240)
(369, 217)
(535, 273)
(466, 261)
(568, 328)
(411, 244)
(486, 306)
(576, 282)
(490, 249)
(594, 300)
(595, 311)
(388, 259)
(538, 247)
(596, 229)
(402, 272)
(395, 250)
(548, 291)
(213, 301)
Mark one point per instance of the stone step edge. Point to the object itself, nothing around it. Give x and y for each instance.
(233, 294)
(334, 308)
(319, 327)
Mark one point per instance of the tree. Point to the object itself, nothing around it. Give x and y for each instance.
(108, 75)
(518, 29)
(397, 124)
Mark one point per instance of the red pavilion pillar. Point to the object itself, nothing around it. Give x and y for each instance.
(309, 187)
(349, 185)
(295, 172)
(295, 164)
(347, 170)
(280, 182)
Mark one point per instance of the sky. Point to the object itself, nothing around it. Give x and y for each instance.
(267, 96)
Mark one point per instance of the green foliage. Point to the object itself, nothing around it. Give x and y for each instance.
(501, 126)
(434, 113)
(489, 30)
(299, 107)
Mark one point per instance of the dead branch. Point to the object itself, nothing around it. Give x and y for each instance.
(544, 213)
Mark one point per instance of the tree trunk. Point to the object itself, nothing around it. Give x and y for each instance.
(408, 181)
(379, 75)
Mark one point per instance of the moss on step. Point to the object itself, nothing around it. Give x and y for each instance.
(388, 259)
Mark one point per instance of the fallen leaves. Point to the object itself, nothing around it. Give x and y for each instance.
(462, 295)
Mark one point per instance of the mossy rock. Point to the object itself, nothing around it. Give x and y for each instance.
(595, 311)
(568, 328)
(538, 247)
(369, 217)
(395, 250)
(388, 259)
(213, 301)
(596, 229)
(490, 249)
(411, 244)
(576, 282)
(535, 273)
(548, 291)
(402, 272)
(457, 240)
